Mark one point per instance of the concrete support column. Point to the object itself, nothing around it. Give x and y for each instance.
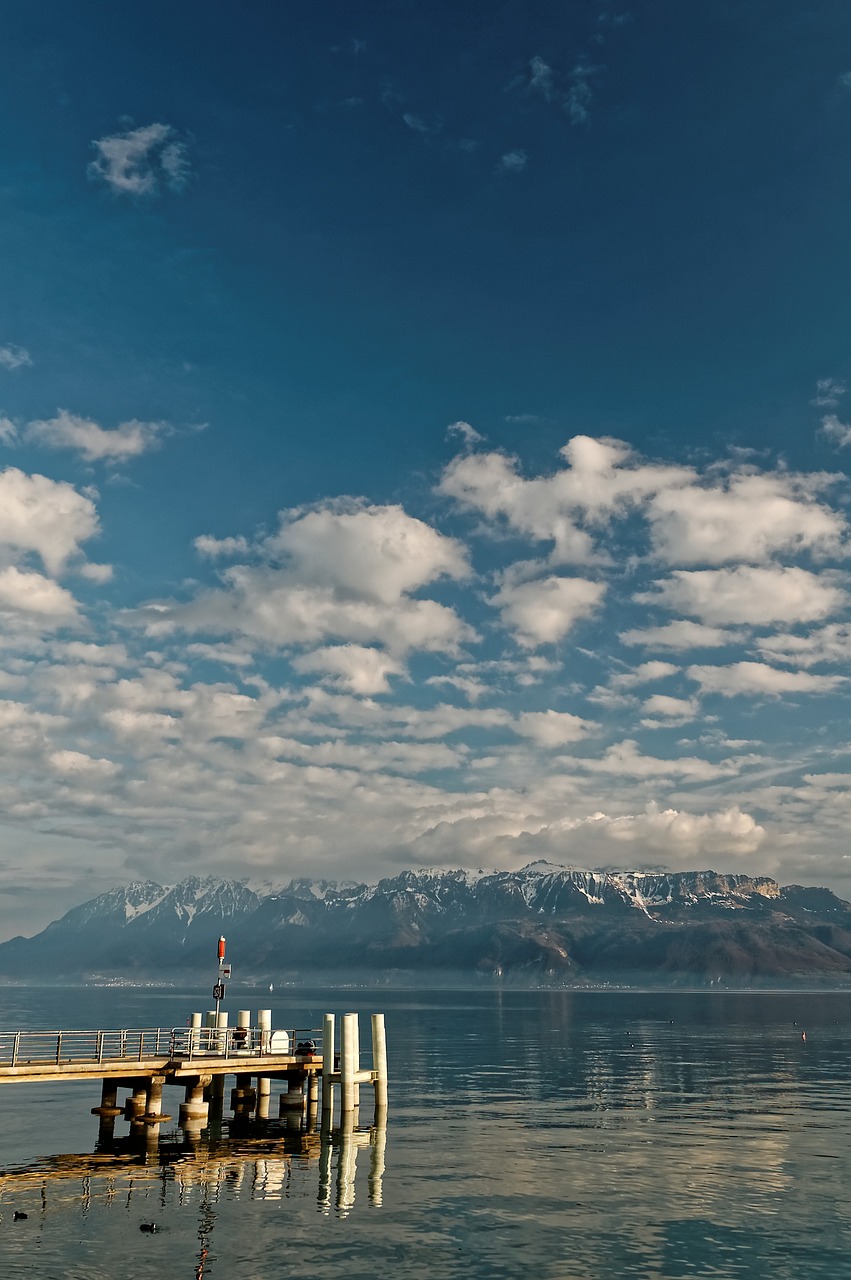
(194, 1111)
(108, 1108)
(264, 1097)
(293, 1100)
(154, 1113)
(243, 1097)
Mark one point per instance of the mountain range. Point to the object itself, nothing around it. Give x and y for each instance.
(540, 924)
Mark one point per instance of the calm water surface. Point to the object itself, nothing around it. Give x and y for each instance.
(562, 1135)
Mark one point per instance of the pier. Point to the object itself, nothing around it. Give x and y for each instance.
(198, 1058)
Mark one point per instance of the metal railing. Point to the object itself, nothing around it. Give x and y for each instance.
(40, 1048)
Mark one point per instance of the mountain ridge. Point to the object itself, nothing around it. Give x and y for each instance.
(540, 923)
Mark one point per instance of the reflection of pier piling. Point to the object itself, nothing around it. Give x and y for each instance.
(198, 1059)
(255, 1167)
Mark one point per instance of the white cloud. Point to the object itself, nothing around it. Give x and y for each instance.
(750, 518)
(643, 674)
(825, 644)
(76, 764)
(48, 517)
(343, 571)
(839, 433)
(661, 709)
(8, 431)
(665, 837)
(351, 666)
(369, 552)
(543, 611)
(552, 728)
(32, 594)
(468, 434)
(513, 161)
(601, 481)
(93, 442)
(748, 594)
(625, 759)
(577, 104)
(12, 357)
(541, 77)
(206, 545)
(140, 162)
(829, 391)
(759, 679)
(680, 635)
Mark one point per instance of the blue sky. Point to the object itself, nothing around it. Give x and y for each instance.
(424, 439)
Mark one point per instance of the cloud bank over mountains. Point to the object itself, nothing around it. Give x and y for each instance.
(621, 660)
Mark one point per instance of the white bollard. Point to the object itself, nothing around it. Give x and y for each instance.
(264, 1025)
(349, 1060)
(379, 1063)
(194, 1032)
(327, 1062)
(222, 1028)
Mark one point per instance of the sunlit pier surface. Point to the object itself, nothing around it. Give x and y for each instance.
(198, 1058)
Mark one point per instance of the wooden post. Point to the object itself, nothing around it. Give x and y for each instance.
(327, 1063)
(379, 1066)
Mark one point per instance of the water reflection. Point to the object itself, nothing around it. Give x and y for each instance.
(272, 1162)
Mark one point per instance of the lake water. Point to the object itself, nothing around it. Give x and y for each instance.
(572, 1136)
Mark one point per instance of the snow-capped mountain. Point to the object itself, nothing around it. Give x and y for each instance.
(544, 921)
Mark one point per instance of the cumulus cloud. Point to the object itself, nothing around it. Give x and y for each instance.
(748, 594)
(552, 728)
(341, 571)
(355, 667)
(824, 644)
(93, 442)
(714, 518)
(13, 357)
(543, 611)
(756, 678)
(141, 162)
(665, 837)
(47, 517)
(643, 674)
(206, 545)
(602, 480)
(748, 517)
(32, 594)
(680, 635)
(662, 710)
